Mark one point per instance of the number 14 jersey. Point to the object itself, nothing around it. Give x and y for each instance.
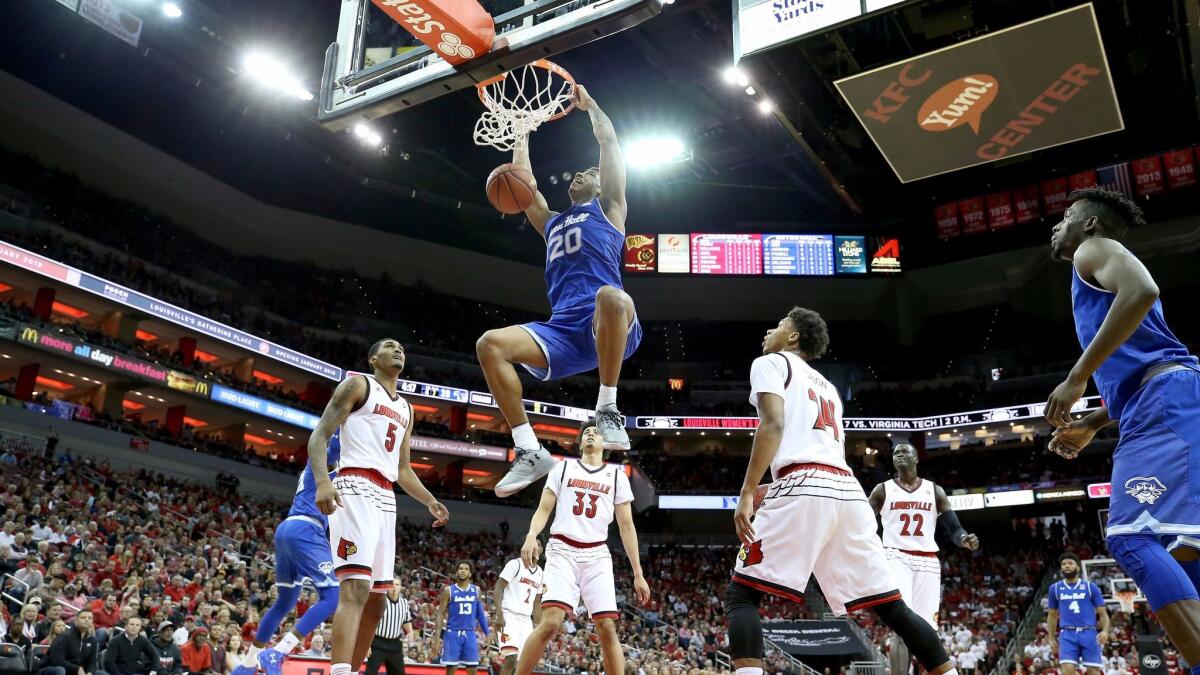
(587, 499)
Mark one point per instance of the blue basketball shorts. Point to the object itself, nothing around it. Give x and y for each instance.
(302, 552)
(568, 340)
(1080, 647)
(1156, 466)
(460, 647)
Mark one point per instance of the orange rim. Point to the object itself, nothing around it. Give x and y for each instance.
(546, 64)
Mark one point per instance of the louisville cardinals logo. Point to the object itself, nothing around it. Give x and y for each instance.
(346, 548)
(752, 554)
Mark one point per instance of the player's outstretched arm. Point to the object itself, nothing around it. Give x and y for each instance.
(408, 481)
(536, 524)
(539, 211)
(612, 162)
(949, 520)
(348, 395)
(629, 540)
(1116, 270)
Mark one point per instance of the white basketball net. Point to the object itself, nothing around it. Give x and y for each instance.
(519, 103)
(1126, 600)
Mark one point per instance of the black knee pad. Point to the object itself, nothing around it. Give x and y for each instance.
(745, 624)
(921, 639)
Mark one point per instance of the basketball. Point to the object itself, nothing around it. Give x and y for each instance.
(510, 188)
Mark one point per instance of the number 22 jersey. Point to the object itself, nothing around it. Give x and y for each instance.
(587, 499)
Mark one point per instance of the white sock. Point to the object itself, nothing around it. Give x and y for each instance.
(523, 436)
(748, 671)
(286, 643)
(608, 396)
(339, 669)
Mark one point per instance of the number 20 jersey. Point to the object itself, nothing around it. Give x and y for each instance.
(583, 253)
(909, 518)
(587, 499)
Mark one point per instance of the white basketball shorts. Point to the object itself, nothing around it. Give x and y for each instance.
(362, 531)
(517, 628)
(815, 520)
(919, 576)
(577, 571)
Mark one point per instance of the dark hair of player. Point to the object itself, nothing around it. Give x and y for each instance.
(1070, 556)
(375, 347)
(1116, 212)
(467, 563)
(814, 334)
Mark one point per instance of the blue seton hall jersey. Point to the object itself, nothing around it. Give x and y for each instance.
(305, 501)
(465, 605)
(1152, 344)
(583, 253)
(1076, 603)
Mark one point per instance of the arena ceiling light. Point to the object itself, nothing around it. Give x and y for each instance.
(367, 135)
(766, 106)
(172, 10)
(270, 73)
(655, 151)
(735, 75)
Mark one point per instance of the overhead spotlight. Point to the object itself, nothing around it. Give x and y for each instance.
(270, 73)
(735, 75)
(553, 180)
(361, 130)
(655, 151)
(171, 10)
(766, 106)
(750, 91)
(566, 175)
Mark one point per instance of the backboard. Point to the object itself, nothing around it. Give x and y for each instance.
(1105, 573)
(377, 67)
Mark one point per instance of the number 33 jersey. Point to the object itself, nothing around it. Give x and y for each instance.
(909, 518)
(587, 499)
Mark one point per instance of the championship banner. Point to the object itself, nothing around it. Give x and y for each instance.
(946, 217)
(974, 219)
(1036, 85)
(1148, 175)
(1027, 205)
(1081, 180)
(1181, 168)
(1000, 211)
(1054, 195)
(814, 638)
(640, 253)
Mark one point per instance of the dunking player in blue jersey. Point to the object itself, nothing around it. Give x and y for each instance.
(592, 321)
(463, 602)
(1150, 385)
(301, 552)
(1076, 606)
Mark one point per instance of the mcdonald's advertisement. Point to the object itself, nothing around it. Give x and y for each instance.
(1006, 93)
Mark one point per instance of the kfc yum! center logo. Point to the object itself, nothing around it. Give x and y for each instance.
(958, 102)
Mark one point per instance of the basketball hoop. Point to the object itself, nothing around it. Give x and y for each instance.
(521, 100)
(1126, 600)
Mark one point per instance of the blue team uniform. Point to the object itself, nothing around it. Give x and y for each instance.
(583, 254)
(459, 646)
(1076, 605)
(1151, 386)
(302, 539)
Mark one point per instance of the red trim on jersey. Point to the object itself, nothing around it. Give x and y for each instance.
(554, 603)
(345, 570)
(767, 587)
(923, 554)
(607, 615)
(383, 585)
(370, 474)
(793, 468)
(788, 381)
(577, 544)
(872, 601)
(508, 650)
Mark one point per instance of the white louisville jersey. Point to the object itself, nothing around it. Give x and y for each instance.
(812, 411)
(373, 433)
(587, 499)
(909, 518)
(524, 586)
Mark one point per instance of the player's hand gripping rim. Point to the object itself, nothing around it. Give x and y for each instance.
(328, 499)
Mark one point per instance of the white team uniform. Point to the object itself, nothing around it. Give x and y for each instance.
(815, 518)
(578, 562)
(909, 519)
(362, 532)
(524, 587)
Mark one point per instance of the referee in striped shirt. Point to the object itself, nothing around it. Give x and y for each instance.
(387, 647)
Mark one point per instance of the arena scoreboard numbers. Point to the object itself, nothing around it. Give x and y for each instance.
(787, 255)
(727, 254)
(798, 254)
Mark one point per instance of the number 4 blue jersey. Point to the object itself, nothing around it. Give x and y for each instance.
(305, 501)
(583, 253)
(1076, 603)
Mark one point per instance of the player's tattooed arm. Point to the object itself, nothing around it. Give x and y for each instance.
(629, 540)
(539, 211)
(612, 162)
(876, 498)
(348, 395)
(408, 481)
(1115, 269)
(949, 519)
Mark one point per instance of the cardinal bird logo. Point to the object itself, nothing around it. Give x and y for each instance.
(346, 548)
(752, 554)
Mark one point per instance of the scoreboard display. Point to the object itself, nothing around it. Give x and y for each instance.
(809, 255)
(727, 254)
(777, 255)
